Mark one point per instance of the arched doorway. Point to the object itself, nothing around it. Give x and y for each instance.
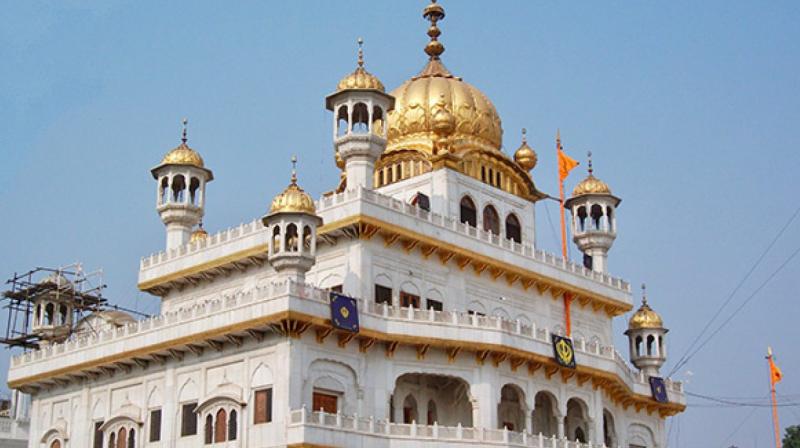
(576, 424)
(511, 409)
(544, 415)
(449, 394)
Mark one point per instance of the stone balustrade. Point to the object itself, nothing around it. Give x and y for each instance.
(326, 204)
(311, 295)
(320, 428)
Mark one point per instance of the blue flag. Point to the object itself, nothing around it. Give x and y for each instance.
(344, 312)
(659, 389)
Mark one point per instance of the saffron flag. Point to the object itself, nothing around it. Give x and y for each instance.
(565, 165)
(775, 374)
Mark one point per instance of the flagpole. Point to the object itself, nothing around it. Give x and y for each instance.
(567, 298)
(774, 400)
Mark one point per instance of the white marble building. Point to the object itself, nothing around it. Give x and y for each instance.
(431, 229)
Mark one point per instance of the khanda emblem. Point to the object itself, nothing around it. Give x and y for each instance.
(344, 312)
(563, 351)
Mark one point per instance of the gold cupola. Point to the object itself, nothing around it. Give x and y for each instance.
(645, 317)
(360, 79)
(439, 120)
(591, 184)
(525, 156)
(293, 199)
(183, 155)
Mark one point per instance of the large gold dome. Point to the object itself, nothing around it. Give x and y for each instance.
(476, 123)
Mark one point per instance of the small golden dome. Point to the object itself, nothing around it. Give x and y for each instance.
(525, 156)
(360, 79)
(591, 185)
(645, 317)
(293, 199)
(183, 155)
(198, 235)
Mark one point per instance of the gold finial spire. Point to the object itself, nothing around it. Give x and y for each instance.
(591, 170)
(184, 138)
(524, 136)
(644, 294)
(558, 139)
(361, 52)
(294, 170)
(434, 13)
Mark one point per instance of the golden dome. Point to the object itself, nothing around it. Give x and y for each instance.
(293, 200)
(360, 79)
(198, 235)
(183, 155)
(413, 123)
(591, 185)
(645, 317)
(525, 156)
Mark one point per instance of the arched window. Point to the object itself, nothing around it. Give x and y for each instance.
(491, 221)
(597, 215)
(178, 188)
(513, 229)
(132, 438)
(194, 187)
(122, 438)
(341, 121)
(432, 417)
(650, 342)
(580, 436)
(609, 431)
(49, 311)
(55, 444)
(291, 238)
(221, 426)
(163, 194)
(62, 314)
(37, 314)
(307, 238)
(409, 409)
(360, 118)
(276, 239)
(610, 218)
(208, 430)
(377, 121)
(232, 424)
(638, 346)
(112, 441)
(581, 224)
(468, 212)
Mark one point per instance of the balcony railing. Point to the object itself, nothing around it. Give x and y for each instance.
(443, 222)
(353, 426)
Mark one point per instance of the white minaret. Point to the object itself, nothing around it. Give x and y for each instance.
(181, 198)
(53, 309)
(647, 337)
(360, 105)
(594, 220)
(292, 223)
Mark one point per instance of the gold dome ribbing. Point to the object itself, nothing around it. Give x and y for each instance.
(360, 79)
(645, 317)
(293, 200)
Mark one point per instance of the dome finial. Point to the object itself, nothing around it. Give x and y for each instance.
(184, 138)
(434, 13)
(294, 170)
(524, 136)
(591, 170)
(644, 294)
(361, 52)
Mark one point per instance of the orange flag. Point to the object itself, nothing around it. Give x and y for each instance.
(565, 165)
(775, 374)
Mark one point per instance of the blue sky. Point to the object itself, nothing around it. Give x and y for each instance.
(691, 110)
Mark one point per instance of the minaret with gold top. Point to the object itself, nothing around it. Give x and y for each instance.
(360, 106)
(181, 179)
(292, 224)
(646, 334)
(594, 222)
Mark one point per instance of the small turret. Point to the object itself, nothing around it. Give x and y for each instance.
(52, 309)
(646, 334)
(181, 178)
(360, 106)
(292, 223)
(594, 222)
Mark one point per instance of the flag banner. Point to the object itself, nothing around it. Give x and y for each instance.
(565, 165)
(659, 389)
(775, 374)
(563, 351)
(344, 312)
